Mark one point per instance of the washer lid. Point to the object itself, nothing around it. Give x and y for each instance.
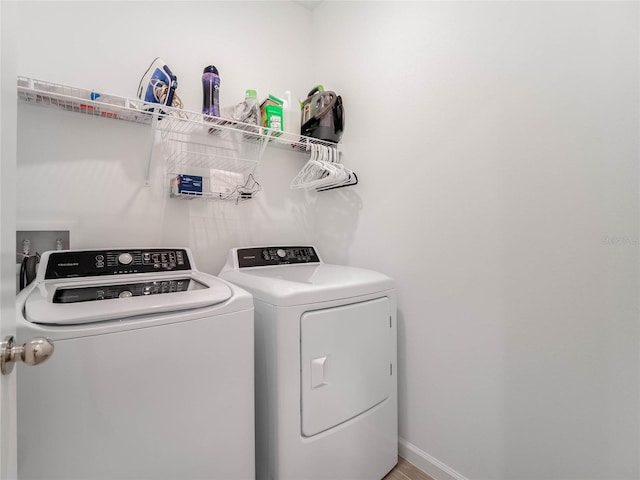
(86, 301)
(288, 285)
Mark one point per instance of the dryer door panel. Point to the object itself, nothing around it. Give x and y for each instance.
(345, 355)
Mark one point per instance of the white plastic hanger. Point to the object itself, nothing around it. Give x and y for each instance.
(324, 170)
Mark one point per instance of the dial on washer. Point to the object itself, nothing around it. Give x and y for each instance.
(125, 258)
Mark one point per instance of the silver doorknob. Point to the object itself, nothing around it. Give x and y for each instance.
(34, 352)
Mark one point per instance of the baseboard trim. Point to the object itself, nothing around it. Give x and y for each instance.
(426, 463)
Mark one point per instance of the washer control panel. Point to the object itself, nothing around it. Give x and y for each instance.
(106, 292)
(91, 263)
(271, 256)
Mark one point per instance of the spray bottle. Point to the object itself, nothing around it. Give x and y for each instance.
(290, 115)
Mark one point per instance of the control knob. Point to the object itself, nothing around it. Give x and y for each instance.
(125, 258)
(281, 253)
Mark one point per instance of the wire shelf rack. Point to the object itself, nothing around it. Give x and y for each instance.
(54, 95)
(187, 123)
(225, 164)
(225, 153)
(79, 100)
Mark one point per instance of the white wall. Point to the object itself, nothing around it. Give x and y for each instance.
(87, 174)
(496, 144)
(497, 148)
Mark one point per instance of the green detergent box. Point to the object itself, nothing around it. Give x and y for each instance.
(271, 114)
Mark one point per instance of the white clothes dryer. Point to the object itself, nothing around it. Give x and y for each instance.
(152, 373)
(325, 353)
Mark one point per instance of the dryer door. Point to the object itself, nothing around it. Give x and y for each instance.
(345, 355)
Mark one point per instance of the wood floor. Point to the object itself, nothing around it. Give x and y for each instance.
(406, 471)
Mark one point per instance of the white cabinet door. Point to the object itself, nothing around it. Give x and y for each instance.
(345, 355)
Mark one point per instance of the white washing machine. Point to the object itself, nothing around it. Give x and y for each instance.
(152, 373)
(326, 384)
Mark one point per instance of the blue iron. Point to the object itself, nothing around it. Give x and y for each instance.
(158, 84)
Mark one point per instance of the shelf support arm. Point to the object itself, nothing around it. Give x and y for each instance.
(154, 129)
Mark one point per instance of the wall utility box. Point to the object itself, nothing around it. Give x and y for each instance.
(41, 241)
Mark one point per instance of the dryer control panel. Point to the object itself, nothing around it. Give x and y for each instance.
(271, 256)
(91, 263)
